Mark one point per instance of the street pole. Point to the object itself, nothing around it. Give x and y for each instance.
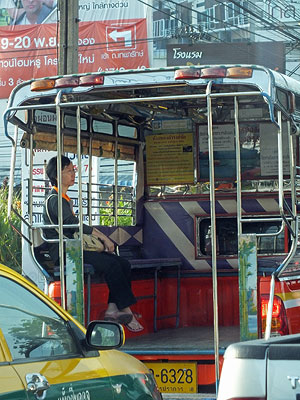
(68, 37)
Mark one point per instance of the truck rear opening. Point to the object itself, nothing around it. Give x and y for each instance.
(191, 172)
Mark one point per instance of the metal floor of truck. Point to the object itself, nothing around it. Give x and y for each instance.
(182, 340)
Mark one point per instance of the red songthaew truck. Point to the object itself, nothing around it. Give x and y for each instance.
(192, 172)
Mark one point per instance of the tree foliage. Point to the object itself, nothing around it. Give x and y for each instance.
(10, 240)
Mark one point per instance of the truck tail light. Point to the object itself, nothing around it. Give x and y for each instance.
(54, 292)
(279, 319)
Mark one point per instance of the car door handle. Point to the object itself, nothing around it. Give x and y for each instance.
(37, 384)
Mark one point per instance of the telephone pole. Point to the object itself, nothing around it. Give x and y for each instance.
(68, 37)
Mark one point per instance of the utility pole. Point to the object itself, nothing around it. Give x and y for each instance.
(68, 37)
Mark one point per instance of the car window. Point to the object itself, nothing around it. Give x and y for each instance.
(30, 327)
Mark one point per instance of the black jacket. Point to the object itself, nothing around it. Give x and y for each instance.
(68, 219)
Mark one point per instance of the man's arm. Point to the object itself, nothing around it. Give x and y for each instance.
(109, 245)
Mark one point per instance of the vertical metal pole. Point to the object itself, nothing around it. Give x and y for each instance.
(30, 195)
(238, 168)
(280, 202)
(80, 200)
(270, 309)
(280, 163)
(213, 230)
(12, 172)
(116, 200)
(60, 216)
(90, 187)
(292, 165)
(134, 194)
(292, 170)
(79, 171)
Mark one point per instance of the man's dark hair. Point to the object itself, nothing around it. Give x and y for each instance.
(51, 169)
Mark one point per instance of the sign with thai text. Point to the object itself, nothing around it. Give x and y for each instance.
(114, 41)
(170, 159)
(228, 53)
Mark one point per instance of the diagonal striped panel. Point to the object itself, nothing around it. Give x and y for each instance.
(183, 220)
(175, 235)
(269, 205)
(192, 208)
(229, 205)
(252, 206)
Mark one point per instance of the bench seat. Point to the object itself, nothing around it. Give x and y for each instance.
(159, 266)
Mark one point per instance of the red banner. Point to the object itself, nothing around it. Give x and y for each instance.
(31, 51)
(111, 45)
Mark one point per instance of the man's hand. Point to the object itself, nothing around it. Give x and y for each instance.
(109, 245)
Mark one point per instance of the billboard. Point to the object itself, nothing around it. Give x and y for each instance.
(112, 36)
(267, 54)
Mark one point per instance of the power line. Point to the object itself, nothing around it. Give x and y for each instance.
(175, 18)
(285, 5)
(198, 12)
(274, 19)
(292, 72)
(226, 23)
(271, 24)
(250, 17)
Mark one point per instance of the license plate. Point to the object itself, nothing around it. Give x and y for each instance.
(175, 377)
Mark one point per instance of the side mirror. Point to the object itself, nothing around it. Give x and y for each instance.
(104, 335)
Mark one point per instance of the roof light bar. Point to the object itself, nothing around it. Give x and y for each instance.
(213, 73)
(43, 84)
(67, 82)
(239, 72)
(190, 73)
(91, 80)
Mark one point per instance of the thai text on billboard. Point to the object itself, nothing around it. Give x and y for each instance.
(112, 36)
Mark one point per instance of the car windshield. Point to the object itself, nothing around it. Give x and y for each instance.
(30, 327)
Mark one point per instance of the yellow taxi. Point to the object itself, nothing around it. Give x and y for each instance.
(47, 354)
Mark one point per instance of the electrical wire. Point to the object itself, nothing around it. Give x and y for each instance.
(219, 20)
(271, 24)
(293, 72)
(198, 12)
(285, 5)
(255, 6)
(175, 18)
(226, 23)
(287, 52)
